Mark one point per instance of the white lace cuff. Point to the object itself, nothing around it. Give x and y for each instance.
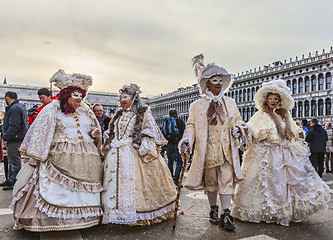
(148, 147)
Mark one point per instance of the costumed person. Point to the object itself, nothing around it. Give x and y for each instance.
(280, 185)
(60, 186)
(214, 125)
(139, 189)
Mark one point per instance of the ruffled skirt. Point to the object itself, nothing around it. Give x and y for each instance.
(280, 185)
(52, 197)
(136, 192)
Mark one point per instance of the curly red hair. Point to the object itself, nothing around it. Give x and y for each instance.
(65, 94)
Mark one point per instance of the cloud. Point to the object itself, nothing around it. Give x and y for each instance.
(152, 42)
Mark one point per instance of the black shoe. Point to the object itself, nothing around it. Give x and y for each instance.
(5, 183)
(214, 214)
(8, 187)
(227, 221)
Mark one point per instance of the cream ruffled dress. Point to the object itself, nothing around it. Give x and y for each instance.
(63, 191)
(138, 185)
(280, 185)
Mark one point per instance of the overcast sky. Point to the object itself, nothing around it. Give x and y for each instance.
(151, 42)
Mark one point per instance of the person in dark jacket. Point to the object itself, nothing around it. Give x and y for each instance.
(317, 138)
(15, 126)
(172, 146)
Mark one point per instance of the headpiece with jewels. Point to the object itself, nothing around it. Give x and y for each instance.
(63, 80)
(204, 72)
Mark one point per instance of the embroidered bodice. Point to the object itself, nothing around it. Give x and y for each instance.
(74, 127)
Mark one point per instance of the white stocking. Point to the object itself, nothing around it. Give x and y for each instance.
(225, 200)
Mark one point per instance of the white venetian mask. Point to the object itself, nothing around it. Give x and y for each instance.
(76, 95)
(216, 80)
(125, 97)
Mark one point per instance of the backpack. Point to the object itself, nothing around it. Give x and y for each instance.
(170, 130)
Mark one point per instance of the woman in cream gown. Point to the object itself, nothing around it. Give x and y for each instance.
(138, 185)
(280, 185)
(59, 188)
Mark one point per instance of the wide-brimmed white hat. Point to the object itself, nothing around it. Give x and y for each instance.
(205, 72)
(276, 86)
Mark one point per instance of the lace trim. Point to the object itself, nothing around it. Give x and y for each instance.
(71, 183)
(296, 209)
(56, 228)
(52, 210)
(143, 218)
(24, 189)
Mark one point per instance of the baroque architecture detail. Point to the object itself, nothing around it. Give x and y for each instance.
(309, 78)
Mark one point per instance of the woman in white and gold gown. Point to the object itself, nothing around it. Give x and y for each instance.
(280, 185)
(60, 187)
(138, 185)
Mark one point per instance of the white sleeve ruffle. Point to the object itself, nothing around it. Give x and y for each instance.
(148, 146)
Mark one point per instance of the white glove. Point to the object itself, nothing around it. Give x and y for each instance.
(95, 132)
(236, 132)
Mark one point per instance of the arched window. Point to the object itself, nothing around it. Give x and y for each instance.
(253, 93)
(248, 114)
(233, 94)
(236, 96)
(294, 87)
(300, 85)
(313, 108)
(289, 84)
(249, 95)
(320, 107)
(300, 109)
(252, 111)
(240, 96)
(328, 106)
(257, 88)
(320, 81)
(306, 109)
(244, 95)
(307, 84)
(294, 111)
(328, 80)
(313, 83)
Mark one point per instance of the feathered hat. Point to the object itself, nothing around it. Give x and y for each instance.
(63, 80)
(203, 73)
(276, 86)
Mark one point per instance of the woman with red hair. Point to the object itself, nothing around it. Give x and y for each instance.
(59, 189)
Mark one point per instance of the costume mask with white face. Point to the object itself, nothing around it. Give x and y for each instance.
(77, 95)
(216, 80)
(125, 97)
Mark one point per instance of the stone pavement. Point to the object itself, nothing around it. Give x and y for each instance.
(192, 223)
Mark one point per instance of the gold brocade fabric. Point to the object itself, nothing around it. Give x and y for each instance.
(214, 152)
(80, 161)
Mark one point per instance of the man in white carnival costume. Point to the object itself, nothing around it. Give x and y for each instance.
(214, 125)
(60, 186)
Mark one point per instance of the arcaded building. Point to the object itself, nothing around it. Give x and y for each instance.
(309, 78)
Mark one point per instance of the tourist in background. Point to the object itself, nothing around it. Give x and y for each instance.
(317, 138)
(14, 128)
(329, 148)
(45, 97)
(101, 117)
(305, 126)
(173, 130)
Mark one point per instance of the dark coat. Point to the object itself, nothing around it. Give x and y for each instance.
(317, 138)
(15, 122)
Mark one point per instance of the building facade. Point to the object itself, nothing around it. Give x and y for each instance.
(309, 78)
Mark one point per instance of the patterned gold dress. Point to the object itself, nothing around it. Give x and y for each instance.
(138, 185)
(280, 184)
(63, 191)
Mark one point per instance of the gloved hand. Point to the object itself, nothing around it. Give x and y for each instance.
(236, 132)
(32, 162)
(184, 148)
(95, 132)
